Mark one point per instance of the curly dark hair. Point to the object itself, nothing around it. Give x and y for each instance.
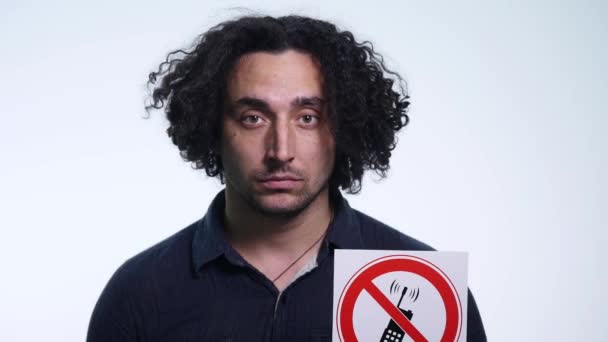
(367, 103)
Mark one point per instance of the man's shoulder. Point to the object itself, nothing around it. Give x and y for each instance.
(378, 235)
(168, 257)
(125, 301)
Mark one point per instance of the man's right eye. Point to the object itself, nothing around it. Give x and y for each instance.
(251, 120)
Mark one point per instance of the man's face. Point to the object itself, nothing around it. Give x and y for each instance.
(277, 147)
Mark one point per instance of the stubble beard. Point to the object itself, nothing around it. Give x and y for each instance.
(303, 199)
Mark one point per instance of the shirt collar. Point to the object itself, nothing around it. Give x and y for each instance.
(209, 241)
(345, 230)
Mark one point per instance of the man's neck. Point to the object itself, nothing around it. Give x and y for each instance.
(247, 226)
(272, 242)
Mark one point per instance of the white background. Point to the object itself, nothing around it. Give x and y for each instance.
(505, 156)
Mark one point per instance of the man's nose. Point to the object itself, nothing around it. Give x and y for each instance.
(281, 142)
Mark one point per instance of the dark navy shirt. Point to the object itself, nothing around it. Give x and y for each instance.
(194, 286)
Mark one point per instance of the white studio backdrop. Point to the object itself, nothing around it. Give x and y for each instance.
(505, 156)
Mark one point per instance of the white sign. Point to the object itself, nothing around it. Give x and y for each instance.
(396, 296)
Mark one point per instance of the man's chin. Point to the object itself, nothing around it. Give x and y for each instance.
(280, 204)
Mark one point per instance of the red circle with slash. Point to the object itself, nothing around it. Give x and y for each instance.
(362, 280)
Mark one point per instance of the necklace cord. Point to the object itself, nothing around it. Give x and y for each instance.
(303, 254)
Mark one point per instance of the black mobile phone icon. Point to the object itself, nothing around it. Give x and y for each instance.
(394, 333)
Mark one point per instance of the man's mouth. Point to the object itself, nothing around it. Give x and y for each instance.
(280, 182)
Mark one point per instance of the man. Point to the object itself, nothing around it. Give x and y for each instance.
(285, 111)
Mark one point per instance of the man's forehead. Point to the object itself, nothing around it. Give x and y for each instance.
(255, 57)
(288, 71)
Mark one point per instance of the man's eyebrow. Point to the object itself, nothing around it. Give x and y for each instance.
(263, 106)
(253, 102)
(304, 101)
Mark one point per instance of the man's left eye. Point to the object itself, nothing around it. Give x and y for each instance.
(309, 119)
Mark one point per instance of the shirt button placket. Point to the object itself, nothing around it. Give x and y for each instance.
(278, 331)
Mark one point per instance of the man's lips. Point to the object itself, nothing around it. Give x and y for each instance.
(286, 182)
